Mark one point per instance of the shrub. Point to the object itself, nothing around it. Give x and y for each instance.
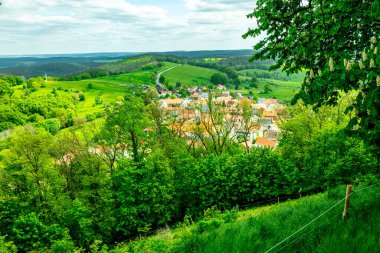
(51, 125)
(208, 225)
(63, 246)
(7, 247)
(29, 233)
(231, 215)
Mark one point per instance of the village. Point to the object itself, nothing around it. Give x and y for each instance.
(219, 114)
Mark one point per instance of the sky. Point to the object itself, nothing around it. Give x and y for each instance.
(85, 26)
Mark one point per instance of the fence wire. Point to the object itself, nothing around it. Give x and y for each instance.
(315, 219)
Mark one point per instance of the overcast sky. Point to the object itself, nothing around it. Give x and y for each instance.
(83, 26)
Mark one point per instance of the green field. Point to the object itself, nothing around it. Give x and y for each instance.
(282, 87)
(189, 75)
(275, 74)
(261, 229)
(139, 77)
(282, 90)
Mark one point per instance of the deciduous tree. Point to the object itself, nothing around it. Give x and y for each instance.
(336, 42)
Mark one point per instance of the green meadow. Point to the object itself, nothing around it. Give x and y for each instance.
(275, 74)
(189, 75)
(281, 86)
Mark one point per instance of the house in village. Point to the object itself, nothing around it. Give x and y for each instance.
(224, 94)
(196, 95)
(202, 105)
(167, 103)
(269, 103)
(263, 142)
(248, 138)
(220, 87)
(238, 95)
(264, 133)
(223, 100)
(160, 88)
(194, 89)
(174, 106)
(165, 93)
(272, 134)
(270, 115)
(258, 109)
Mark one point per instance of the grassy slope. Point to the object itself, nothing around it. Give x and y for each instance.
(283, 90)
(294, 77)
(257, 230)
(190, 75)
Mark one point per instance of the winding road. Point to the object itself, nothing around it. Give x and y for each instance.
(166, 70)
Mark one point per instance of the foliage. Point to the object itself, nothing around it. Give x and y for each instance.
(52, 111)
(12, 80)
(219, 78)
(31, 234)
(34, 83)
(267, 88)
(145, 196)
(7, 247)
(126, 124)
(51, 125)
(336, 42)
(5, 88)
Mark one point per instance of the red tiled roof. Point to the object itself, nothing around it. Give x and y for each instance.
(270, 101)
(265, 142)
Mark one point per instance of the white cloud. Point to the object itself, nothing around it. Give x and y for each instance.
(219, 5)
(64, 26)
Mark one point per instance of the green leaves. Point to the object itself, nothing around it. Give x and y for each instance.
(31, 234)
(322, 35)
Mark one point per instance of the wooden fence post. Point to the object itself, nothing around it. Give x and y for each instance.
(347, 202)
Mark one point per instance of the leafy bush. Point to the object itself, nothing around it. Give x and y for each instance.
(230, 215)
(51, 125)
(62, 246)
(208, 225)
(7, 247)
(29, 233)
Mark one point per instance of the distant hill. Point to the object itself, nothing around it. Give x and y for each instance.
(52, 69)
(211, 53)
(29, 60)
(69, 64)
(34, 61)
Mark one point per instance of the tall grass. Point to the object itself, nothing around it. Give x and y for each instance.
(360, 233)
(259, 233)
